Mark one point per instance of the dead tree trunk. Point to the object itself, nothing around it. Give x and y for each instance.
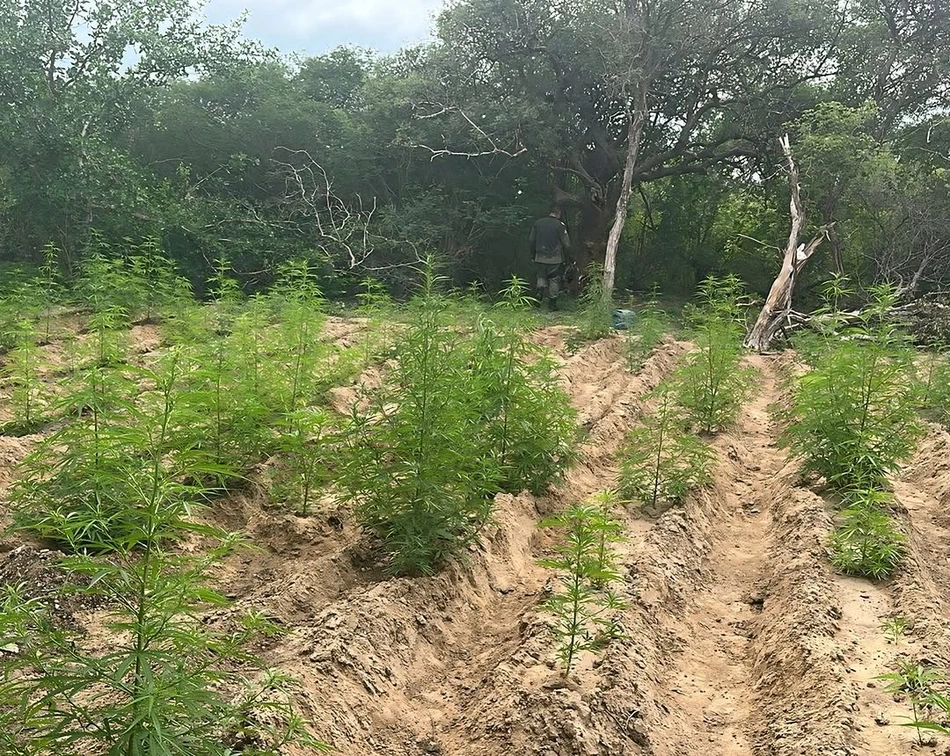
(634, 135)
(778, 304)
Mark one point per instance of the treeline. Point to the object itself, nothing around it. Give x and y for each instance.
(132, 120)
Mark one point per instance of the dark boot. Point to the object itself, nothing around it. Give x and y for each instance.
(552, 304)
(539, 298)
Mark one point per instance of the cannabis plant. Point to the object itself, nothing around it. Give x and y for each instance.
(416, 461)
(162, 686)
(529, 421)
(853, 417)
(21, 376)
(652, 324)
(915, 682)
(660, 461)
(594, 317)
(302, 352)
(585, 608)
(156, 283)
(306, 443)
(866, 542)
(73, 488)
(712, 383)
(894, 629)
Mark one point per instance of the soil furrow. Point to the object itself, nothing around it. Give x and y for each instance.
(462, 662)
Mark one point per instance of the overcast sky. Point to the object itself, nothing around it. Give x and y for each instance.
(314, 26)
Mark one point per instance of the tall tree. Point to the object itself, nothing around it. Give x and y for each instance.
(72, 73)
(629, 91)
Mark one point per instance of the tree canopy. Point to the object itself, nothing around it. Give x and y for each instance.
(653, 123)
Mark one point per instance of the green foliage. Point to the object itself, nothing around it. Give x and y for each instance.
(21, 375)
(934, 386)
(712, 383)
(660, 462)
(651, 326)
(594, 317)
(853, 417)
(529, 423)
(416, 462)
(865, 542)
(306, 440)
(585, 608)
(915, 682)
(894, 629)
(159, 688)
(153, 280)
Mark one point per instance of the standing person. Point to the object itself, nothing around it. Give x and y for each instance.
(550, 250)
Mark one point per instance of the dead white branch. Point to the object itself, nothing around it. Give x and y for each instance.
(429, 111)
(776, 312)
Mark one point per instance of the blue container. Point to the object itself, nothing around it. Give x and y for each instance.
(624, 319)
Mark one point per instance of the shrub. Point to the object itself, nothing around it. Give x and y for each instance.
(584, 609)
(416, 463)
(853, 417)
(661, 462)
(712, 384)
(529, 422)
(865, 542)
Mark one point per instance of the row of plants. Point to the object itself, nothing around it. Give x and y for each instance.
(120, 498)
(663, 459)
(660, 462)
(853, 421)
(137, 450)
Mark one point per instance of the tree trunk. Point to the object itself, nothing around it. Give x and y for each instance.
(778, 304)
(634, 134)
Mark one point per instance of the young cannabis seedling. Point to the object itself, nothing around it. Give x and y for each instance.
(865, 542)
(894, 629)
(585, 608)
(915, 682)
(660, 462)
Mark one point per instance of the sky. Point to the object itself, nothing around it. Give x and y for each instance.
(315, 26)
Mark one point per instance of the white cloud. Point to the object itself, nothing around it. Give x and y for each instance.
(317, 25)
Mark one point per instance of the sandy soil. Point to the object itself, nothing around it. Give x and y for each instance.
(739, 637)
